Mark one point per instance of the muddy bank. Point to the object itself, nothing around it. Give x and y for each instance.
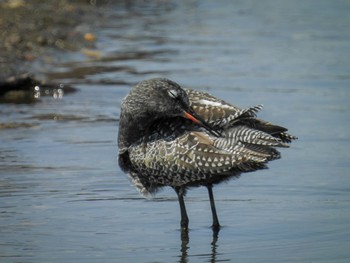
(34, 32)
(39, 36)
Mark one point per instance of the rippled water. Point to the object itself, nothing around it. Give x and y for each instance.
(64, 199)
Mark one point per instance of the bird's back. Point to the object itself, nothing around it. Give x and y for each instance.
(176, 152)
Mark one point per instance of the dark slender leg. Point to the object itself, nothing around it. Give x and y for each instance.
(216, 225)
(184, 218)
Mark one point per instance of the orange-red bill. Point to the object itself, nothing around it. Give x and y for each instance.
(202, 123)
(190, 117)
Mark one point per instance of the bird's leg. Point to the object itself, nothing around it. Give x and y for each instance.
(184, 218)
(216, 225)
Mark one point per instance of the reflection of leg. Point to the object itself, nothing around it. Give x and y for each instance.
(184, 245)
(216, 225)
(214, 245)
(184, 218)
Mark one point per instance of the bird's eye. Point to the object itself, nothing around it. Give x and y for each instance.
(173, 93)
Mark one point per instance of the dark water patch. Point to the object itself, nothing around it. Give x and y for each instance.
(64, 118)
(75, 70)
(83, 71)
(90, 74)
(107, 199)
(137, 55)
(58, 117)
(17, 125)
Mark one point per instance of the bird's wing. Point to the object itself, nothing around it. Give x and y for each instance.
(221, 114)
(215, 111)
(199, 158)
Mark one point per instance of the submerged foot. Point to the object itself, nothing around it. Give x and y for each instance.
(216, 229)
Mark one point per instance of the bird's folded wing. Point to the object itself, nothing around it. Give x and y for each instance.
(223, 115)
(218, 112)
(195, 156)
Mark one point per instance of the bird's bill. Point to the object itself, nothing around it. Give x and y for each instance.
(191, 118)
(198, 120)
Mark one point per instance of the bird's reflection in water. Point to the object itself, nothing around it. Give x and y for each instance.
(184, 245)
(214, 245)
(185, 241)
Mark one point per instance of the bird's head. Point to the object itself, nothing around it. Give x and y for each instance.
(155, 99)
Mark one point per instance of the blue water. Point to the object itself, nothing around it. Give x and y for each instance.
(63, 197)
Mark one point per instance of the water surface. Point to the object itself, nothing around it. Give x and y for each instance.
(63, 197)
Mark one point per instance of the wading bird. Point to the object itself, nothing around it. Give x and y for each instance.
(182, 138)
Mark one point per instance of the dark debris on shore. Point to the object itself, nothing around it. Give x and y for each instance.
(25, 88)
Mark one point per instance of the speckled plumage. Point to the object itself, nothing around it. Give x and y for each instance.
(159, 147)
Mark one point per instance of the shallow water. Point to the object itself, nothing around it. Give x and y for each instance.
(63, 197)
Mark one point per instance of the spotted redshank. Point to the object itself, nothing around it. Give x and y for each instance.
(182, 138)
